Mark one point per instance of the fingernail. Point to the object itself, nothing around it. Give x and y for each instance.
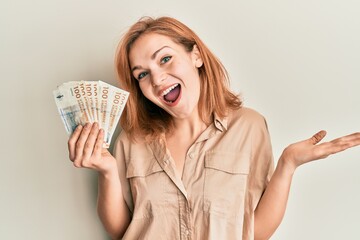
(87, 125)
(95, 125)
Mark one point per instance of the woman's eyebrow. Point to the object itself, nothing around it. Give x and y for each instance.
(135, 68)
(153, 56)
(157, 51)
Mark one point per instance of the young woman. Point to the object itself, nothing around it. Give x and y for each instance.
(191, 161)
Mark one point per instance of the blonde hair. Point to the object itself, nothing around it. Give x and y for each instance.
(143, 118)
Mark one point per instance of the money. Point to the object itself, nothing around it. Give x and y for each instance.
(80, 102)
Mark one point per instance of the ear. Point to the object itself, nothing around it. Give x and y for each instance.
(196, 56)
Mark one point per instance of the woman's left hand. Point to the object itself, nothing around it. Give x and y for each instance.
(309, 150)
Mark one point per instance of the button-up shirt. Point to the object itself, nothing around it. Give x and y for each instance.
(225, 173)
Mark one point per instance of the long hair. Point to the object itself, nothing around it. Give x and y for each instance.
(141, 117)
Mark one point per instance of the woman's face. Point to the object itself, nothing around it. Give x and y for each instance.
(167, 74)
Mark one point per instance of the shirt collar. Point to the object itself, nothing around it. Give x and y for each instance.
(220, 123)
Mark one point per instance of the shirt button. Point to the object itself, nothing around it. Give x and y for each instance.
(166, 161)
(191, 155)
(187, 232)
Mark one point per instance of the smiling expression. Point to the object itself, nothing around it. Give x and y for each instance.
(167, 73)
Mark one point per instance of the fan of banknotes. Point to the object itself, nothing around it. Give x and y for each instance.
(80, 102)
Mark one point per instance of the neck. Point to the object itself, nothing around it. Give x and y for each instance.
(188, 128)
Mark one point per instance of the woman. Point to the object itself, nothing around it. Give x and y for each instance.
(191, 162)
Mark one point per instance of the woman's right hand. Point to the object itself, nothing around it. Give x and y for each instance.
(86, 151)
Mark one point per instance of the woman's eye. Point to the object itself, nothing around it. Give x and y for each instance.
(165, 59)
(141, 75)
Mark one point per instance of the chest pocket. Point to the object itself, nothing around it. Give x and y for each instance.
(149, 187)
(225, 183)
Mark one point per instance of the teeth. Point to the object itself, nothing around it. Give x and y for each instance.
(169, 89)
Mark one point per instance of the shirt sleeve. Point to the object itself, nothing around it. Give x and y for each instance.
(120, 152)
(261, 170)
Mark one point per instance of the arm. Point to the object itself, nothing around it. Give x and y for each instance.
(272, 206)
(112, 209)
(85, 150)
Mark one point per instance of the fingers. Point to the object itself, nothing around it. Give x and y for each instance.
(352, 139)
(99, 143)
(72, 141)
(309, 150)
(318, 137)
(85, 144)
(79, 146)
(90, 141)
(343, 143)
(338, 144)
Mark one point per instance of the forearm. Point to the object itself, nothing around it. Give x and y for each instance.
(272, 206)
(112, 209)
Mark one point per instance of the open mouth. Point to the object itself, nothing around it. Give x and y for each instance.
(171, 94)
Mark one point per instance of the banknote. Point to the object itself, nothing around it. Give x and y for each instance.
(117, 104)
(80, 102)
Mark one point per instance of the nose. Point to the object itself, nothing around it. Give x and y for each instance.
(158, 78)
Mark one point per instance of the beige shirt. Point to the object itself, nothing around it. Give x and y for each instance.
(225, 173)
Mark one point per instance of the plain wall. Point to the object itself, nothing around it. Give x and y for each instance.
(296, 62)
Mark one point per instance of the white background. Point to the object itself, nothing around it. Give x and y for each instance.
(296, 62)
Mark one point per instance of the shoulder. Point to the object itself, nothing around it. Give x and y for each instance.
(125, 148)
(123, 139)
(121, 143)
(243, 126)
(245, 117)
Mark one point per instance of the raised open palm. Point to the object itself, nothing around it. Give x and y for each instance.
(309, 150)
